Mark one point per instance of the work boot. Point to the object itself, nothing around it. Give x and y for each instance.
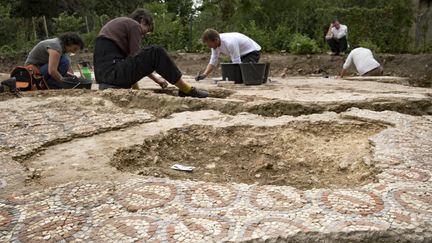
(195, 93)
(10, 84)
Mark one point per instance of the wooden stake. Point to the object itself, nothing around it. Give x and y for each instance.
(34, 28)
(87, 25)
(46, 27)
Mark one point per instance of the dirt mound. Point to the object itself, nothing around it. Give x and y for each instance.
(301, 154)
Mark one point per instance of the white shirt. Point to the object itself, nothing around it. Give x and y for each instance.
(363, 60)
(234, 45)
(339, 33)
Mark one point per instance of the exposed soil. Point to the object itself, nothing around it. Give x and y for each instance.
(418, 68)
(304, 155)
(298, 154)
(163, 103)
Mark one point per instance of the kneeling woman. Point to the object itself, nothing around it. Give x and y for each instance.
(51, 59)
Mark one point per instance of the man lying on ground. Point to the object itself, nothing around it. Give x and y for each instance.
(337, 38)
(120, 63)
(364, 61)
(50, 57)
(239, 47)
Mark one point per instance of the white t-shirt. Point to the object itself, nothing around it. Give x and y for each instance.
(363, 60)
(339, 33)
(234, 45)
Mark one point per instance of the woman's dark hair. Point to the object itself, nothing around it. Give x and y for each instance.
(141, 14)
(71, 38)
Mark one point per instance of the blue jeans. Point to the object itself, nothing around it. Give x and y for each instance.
(63, 68)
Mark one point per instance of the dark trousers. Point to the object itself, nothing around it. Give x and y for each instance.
(252, 57)
(338, 45)
(375, 72)
(63, 68)
(112, 67)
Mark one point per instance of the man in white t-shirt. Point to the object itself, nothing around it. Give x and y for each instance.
(239, 47)
(364, 61)
(337, 37)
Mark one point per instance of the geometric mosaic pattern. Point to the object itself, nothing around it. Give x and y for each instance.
(160, 210)
(163, 210)
(23, 132)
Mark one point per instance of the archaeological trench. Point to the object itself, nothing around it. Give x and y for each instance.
(294, 160)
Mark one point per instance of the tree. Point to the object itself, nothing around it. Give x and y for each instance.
(273, 23)
(68, 23)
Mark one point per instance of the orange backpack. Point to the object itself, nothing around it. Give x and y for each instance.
(29, 78)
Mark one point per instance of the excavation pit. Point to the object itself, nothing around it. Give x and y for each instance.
(304, 155)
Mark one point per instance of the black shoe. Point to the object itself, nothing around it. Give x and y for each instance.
(195, 93)
(10, 84)
(74, 82)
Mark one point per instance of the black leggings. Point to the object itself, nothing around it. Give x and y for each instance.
(114, 68)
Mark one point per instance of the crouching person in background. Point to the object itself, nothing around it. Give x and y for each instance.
(51, 59)
(337, 38)
(120, 63)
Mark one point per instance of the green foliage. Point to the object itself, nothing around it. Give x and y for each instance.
(89, 39)
(369, 45)
(388, 27)
(102, 20)
(8, 26)
(281, 38)
(301, 44)
(7, 51)
(259, 35)
(13, 35)
(428, 48)
(168, 31)
(380, 24)
(67, 23)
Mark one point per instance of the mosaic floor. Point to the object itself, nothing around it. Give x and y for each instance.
(163, 210)
(25, 131)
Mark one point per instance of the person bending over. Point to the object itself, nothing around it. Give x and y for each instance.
(364, 61)
(50, 57)
(239, 47)
(120, 63)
